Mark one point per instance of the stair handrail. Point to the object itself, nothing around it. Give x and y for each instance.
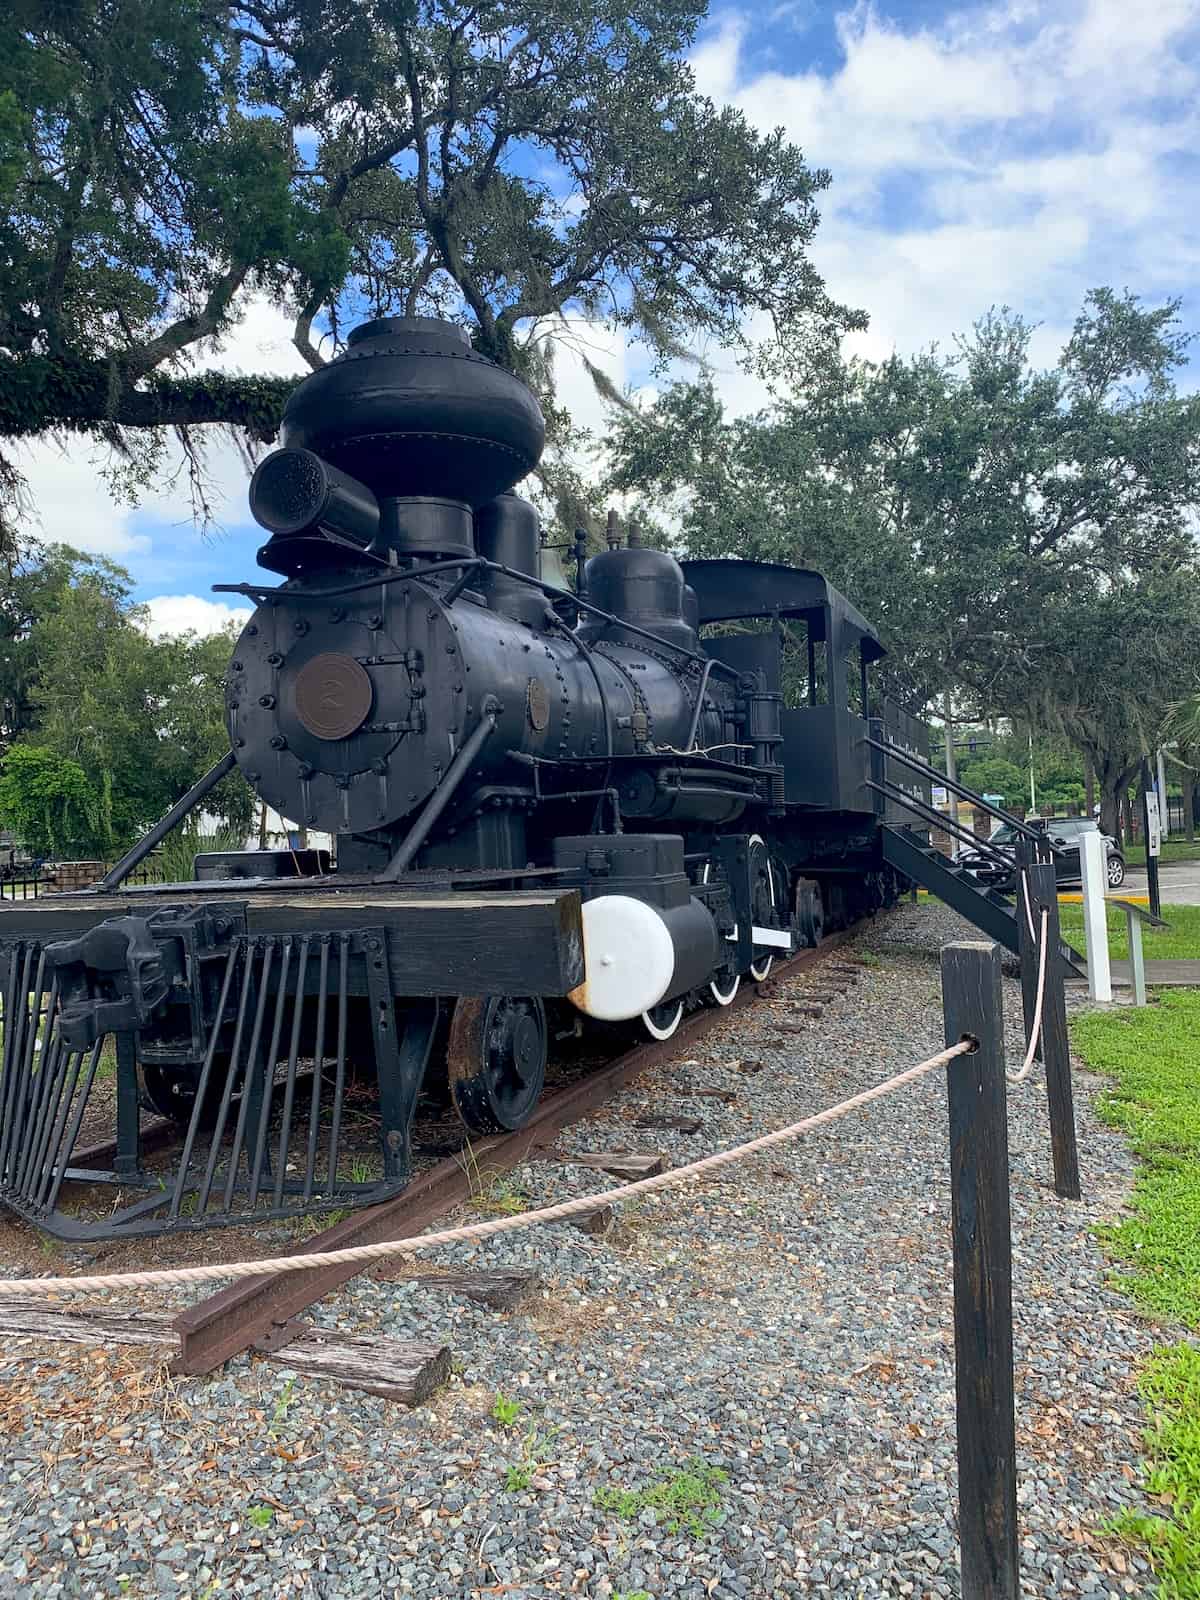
(1037, 836)
(938, 819)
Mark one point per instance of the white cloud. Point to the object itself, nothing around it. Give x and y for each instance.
(1015, 154)
(190, 613)
(72, 503)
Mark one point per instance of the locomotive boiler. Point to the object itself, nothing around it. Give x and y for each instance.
(551, 808)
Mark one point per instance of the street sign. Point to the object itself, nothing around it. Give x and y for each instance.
(1153, 825)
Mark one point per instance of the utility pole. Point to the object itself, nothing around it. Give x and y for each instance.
(1164, 815)
(951, 767)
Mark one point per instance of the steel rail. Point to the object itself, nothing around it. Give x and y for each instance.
(257, 1311)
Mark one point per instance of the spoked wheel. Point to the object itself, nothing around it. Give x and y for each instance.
(1116, 872)
(662, 1020)
(724, 986)
(766, 900)
(496, 1061)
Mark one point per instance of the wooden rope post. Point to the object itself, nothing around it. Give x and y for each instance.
(1054, 1048)
(983, 1335)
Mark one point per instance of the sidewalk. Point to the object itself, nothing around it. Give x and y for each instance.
(1161, 974)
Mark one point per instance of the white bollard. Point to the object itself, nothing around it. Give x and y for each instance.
(1092, 856)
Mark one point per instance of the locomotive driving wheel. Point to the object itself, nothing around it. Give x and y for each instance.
(723, 985)
(767, 899)
(496, 1061)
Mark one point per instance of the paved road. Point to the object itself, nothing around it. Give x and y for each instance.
(1178, 883)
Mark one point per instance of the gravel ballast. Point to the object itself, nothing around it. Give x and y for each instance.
(787, 1326)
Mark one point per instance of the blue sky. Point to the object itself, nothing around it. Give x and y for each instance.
(981, 155)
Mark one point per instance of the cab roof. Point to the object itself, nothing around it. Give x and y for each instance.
(728, 590)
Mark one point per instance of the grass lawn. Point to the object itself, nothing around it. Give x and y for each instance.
(1153, 1057)
(1172, 850)
(1179, 941)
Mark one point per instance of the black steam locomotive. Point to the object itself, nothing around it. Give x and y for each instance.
(607, 803)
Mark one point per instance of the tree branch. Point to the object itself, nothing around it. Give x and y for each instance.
(186, 330)
(38, 395)
(302, 333)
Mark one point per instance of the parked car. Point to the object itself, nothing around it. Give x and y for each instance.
(1065, 834)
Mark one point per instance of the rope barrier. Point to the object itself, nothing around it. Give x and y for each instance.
(363, 1255)
(1035, 1032)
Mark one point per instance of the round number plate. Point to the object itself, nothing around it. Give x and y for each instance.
(333, 695)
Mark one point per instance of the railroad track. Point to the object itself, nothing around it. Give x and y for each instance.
(259, 1312)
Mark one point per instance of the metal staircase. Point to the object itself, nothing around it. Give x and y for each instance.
(992, 912)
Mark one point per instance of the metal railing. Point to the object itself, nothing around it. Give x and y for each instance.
(1044, 848)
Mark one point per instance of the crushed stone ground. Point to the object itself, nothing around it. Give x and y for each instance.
(788, 1324)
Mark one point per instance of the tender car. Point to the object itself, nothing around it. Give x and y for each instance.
(1065, 834)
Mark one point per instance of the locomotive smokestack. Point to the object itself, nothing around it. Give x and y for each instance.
(410, 415)
(302, 500)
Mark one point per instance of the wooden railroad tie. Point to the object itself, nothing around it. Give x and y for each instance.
(727, 1095)
(396, 1369)
(78, 1324)
(623, 1164)
(599, 1220)
(499, 1291)
(672, 1124)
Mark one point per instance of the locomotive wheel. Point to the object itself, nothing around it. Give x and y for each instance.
(809, 921)
(725, 985)
(662, 1020)
(172, 1092)
(765, 900)
(496, 1061)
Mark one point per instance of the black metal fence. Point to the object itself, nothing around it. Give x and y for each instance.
(32, 885)
(19, 886)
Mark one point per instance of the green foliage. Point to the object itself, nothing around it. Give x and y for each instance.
(1180, 940)
(995, 775)
(1020, 536)
(687, 1500)
(260, 1516)
(505, 163)
(282, 1407)
(517, 1477)
(506, 1411)
(1153, 1054)
(32, 588)
(47, 801)
(1170, 1386)
(131, 721)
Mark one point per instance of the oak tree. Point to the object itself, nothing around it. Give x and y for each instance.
(509, 163)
